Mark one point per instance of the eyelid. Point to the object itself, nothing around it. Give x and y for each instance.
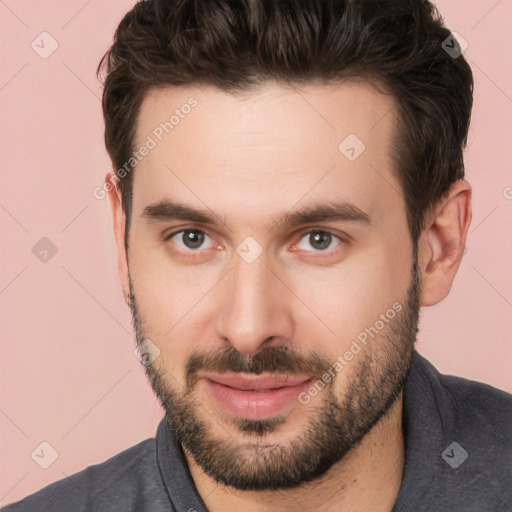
(343, 238)
(173, 233)
(341, 235)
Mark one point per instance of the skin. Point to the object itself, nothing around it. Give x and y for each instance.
(250, 159)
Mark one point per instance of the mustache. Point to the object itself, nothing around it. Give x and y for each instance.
(277, 360)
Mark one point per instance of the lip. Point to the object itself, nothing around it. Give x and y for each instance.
(255, 397)
(256, 382)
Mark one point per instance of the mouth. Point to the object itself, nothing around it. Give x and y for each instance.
(255, 397)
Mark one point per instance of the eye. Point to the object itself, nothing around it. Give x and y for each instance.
(189, 239)
(319, 239)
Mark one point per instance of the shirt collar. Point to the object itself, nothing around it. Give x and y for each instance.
(180, 486)
(426, 420)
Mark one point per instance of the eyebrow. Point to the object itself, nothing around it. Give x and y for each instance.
(167, 210)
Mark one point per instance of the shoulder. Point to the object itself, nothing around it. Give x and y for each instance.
(482, 415)
(470, 427)
(472, 405)
(458, 441)
(115, 484)
(465, 407)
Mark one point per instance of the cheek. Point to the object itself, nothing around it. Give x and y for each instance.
(170, 299)
(347, 300)
(330, 306)
(165, 290)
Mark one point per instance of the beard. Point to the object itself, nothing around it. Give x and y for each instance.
(336, 425)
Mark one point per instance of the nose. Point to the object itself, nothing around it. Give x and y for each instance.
(255, 306)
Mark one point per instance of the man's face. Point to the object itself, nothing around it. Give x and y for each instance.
(332, 300)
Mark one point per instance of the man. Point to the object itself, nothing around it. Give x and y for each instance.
(288, 192)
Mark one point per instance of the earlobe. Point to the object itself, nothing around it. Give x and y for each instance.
(119, 223)
(443, 242)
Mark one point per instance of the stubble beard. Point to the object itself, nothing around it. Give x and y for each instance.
(248, 461)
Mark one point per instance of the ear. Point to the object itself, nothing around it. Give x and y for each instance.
(119, 220)
(442, 243)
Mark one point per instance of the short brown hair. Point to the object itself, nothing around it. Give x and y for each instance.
(237, 45)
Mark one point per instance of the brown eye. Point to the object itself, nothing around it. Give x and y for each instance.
(192, 239)
(189, 240)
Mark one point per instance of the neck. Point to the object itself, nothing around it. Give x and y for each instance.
(368, 478)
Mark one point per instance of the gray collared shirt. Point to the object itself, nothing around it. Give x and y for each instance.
(458, 438)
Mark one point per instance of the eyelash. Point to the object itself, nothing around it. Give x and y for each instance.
(195, 253)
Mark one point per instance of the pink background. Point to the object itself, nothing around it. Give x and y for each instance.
(68, 373)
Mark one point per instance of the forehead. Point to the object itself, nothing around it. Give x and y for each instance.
(307, 113)
(274, 145)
